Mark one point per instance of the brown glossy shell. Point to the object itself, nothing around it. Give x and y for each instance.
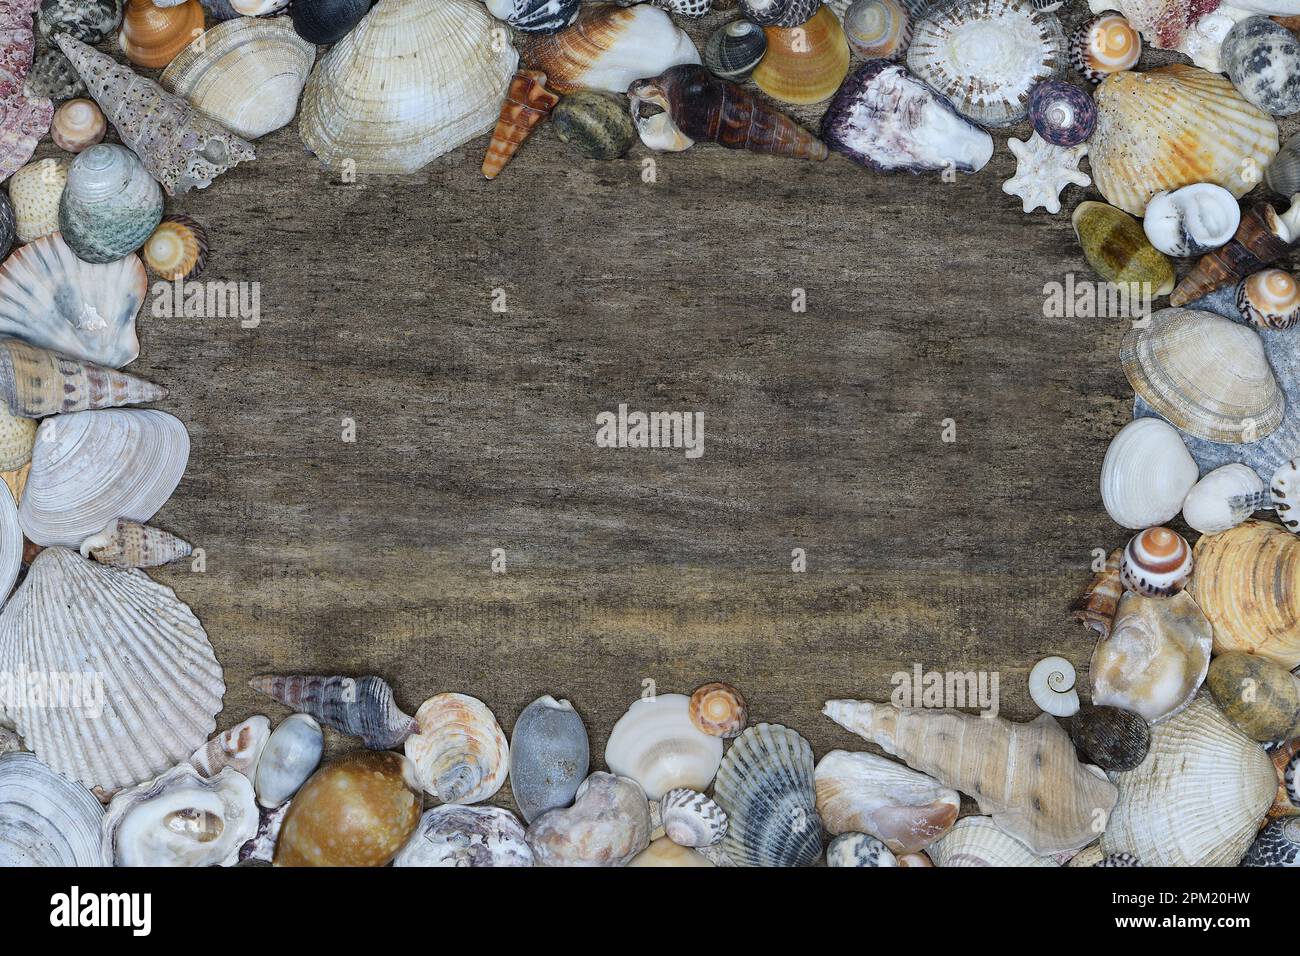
(804, 64)
(1109, 737)
(1096, 606)
(528, 103)
(1261, 698)
(151, 36)
(1256, 245)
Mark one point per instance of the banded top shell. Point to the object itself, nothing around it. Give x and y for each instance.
(460, 752)
(46, 819)
(247, 74)
(452, 835)
(986, 56)
(878, 28)
(1146, 474)
(692, 819)
(864, 793)
(656, 744)
(1103, 45)
(1205, 374)
(734, 49)
(718, 710)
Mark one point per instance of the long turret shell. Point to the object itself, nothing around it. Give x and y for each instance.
(460, 753)
(360, 706)
(36, 382)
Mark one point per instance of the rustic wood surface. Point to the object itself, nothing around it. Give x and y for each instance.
(475, 430)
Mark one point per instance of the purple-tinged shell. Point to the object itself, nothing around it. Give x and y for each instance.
(886, 119)
(23, 119)
(1062, 113)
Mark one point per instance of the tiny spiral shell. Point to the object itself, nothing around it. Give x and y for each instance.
(718, 710)
(1157, 562)
(1269, 299)
(1103, 45)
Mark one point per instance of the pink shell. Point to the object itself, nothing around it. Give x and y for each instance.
(23, 120)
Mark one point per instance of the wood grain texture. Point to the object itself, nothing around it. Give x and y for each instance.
(475, 430)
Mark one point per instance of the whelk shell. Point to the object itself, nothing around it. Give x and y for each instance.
(549, 755)
(1224, 498)
(130, 544)
(1157, 562)
(608, 825)
(237, 748)
(978, 841)
(656, 745)
(460, 752)
(692, 819)
(46, 819)
(864, 793)
(360, 706)
(452, 835)
(291, 756)
(1146, 474)
(1261, 698)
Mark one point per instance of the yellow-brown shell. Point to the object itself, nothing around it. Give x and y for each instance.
(35, 191)
(78, 124)
(718, 710)
(178, 248)
(16, 480)
(151, 36)
(804, 64)
(356, 811)
(17, 436)
(1247, 581)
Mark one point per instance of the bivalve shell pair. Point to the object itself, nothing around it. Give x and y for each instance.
(460, 752)
(656, 744)
(1146, 474)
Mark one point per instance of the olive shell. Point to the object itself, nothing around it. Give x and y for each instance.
(1112, 738)
(1261, 698)
(595, 125)
(734, 49)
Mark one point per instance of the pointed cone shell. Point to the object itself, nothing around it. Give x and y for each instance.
(1026, 776)
(1199, 796)
(765, 787)
(151, 35)
(1247, 581)
(528, 104)
(36, 382)
(978, 841)
(48, 820)
(1261, 239)
(247, 74)
(91, 467)
(54, 300)
(360, 706)
(460, 753)
(656, 745)
(1097, 603)
(130, 544)
(179, 146)
(864, 793)
(1174, 126)
(150, 658)
(804, 64)
(414, 80)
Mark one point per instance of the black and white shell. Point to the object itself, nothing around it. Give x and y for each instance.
(1262, 58)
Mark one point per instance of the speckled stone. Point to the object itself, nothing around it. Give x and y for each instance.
(597, 126)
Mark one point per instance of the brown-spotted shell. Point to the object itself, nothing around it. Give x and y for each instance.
(718, 710)
(1157, 562)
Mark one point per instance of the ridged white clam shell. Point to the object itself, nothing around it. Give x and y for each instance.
(1224, 499)
(11, 543)
(91, 467)
(691, 819)
(1146, 474)
(452, 835)
(46, 819)
(978, 841)
(656, 744)
(289, 758)
(52, 299)
(181, 818)
(461, 754)
(119, 634)
(246, 74)
(413, 80)
(1198, 798)
(765, 786)
(865, 793)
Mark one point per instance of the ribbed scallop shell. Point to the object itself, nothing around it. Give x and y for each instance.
(1146, 474)
(46, 819)
(765, 786)
(977, 841)
(1174, 126)
(143, 647)
(460, 753)
(11, 543)
(986, 56)
(692, 819)
(36, 382)
(1247, 581)
(247, 74)
(50, 298)
(1205, 374)
(864, 793)
(130, 544)
(91, 467)
(656, 745)
(1199, 796)
(413, 80)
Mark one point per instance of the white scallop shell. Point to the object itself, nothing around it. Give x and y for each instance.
(116, 633)
(290, 757)
(1192, 220)
(453, 835)
(865, 793)
(1051, 685)
(1224, 499)
(656, 744)
(978, 841)
(461, 754)
(91, 467)
(691, 819)
(1146, 474)
(239, 748)
(45, 819)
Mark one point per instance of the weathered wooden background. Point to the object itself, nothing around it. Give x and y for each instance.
(475, 430)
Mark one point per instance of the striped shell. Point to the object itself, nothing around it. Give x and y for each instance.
(359, 706)
(1103, 45)
(238, 748)
(1174, 126)
(460, 752)
(178, 248)
(1284, 492)
(1269, 299)
(1157, 562)
(1278, 844)
(1224, 499)
(780, 13)
(718, 710)
(1095, 606)
(734, 49)
(691, 819)
(978, 841)
(130, 544)
(859, 850)
(36, 382)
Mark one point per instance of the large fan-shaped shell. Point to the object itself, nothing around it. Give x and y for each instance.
(91, 467)
(1199, 796)
(1174, 126)
(46, 819)
(765, 787)
(1206, 375)
(978, 841)
(415, 79)
(1247, 581)
(1146, 474)
(656, 744)
(52, 299)
(460, 753)
(247, 74)
(864, 793)
(118, 633)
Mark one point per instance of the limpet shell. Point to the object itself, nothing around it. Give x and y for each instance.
(177, 249)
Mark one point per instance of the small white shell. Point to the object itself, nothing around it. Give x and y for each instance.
(1051, 685)
(656, 745)
(1224, 499)
(291, 756)
(239, 748)
(859, 850)
(692, 819)
(1192, 220)
(1285, 492)
(1146, 474)
(1043, 170)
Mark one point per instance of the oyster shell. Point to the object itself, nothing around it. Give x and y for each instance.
(452, 835)
(608, 825)
(460, 752)
(864, 793)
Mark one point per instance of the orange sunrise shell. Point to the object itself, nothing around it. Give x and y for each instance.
(718, 710)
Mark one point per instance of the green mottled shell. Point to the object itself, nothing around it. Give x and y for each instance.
(594, 124)
(1112, 738)
(1261, 698)
(1118, 250)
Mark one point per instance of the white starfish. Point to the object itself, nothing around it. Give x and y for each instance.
(1043, 171)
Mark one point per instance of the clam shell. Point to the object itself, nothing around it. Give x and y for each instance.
(765, 786)
(734, 49)
(549, 755)
(150, 659)
(460, 753)
(35, 191)
(45, 819)
(804, 64)
(1278, 844)
(1155, 658)
(326, 21)
(237, 748)
(247, 74)
(36, 382)
(1261, 698)
(129, 544)
(1262, 58)
(1109, 737)
(878, 28)
(91, 467)
(151, 35)
(986, 56)
(1247, 581)
(691, 819)
(110, 204)
(608, 825)
(656, 745)
(1103, 45)
(978, 841)
(359, 706)
(1149, 124)
(54, 300)
(181, 819)
(1191, 221)
(78, 125)
(414, 80)
(1199, 796)
(1146, 474)
(452, 835)
(858, 850)
(291, 755)
(718, 710)
(864, 793)
(1157, 562)
(1224, 499)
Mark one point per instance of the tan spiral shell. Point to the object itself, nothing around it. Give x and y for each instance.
(460, 753)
